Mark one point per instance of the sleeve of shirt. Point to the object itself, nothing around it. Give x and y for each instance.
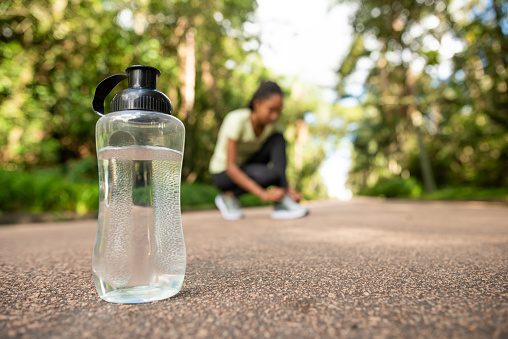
(231, 127)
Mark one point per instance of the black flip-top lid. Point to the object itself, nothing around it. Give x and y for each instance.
(141, 95)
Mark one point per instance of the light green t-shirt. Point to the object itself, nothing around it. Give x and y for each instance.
(238, 127)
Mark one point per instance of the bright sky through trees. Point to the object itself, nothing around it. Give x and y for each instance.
(308, 39)
(304, 38)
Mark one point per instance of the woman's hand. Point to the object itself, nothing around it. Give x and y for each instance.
(272, 194)
(294, 194)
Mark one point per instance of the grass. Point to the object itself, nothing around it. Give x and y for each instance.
(468, 193)
(411, 189)
(75, 188)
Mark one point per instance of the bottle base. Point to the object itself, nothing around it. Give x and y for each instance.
(139, 294)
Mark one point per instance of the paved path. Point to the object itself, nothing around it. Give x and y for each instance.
(359, 269)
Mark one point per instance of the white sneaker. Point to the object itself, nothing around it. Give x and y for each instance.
(287, 208)
(229, 207)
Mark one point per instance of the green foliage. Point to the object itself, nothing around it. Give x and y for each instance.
(419, 123)
(469, 193)
(198, 196)
(250, 200)
(83, 170)
(45, 191)
(395, 187)
(51, 190)
(142, 196)
(54, 53)
(192, 196)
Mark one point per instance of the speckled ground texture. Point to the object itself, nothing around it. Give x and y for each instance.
(360, 269)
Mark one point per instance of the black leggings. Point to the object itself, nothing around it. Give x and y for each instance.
(272, 152)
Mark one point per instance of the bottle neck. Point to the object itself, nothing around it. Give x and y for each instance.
(142, 78)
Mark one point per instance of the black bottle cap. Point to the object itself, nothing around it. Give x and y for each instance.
(141, 95)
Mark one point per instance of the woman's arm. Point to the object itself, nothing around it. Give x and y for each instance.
(241, 179)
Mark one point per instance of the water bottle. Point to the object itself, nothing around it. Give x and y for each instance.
(139, 253)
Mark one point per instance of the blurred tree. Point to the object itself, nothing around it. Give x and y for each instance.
(306, 118)
(481, 69)
(53, 53)
(419, 64)
(50, 55)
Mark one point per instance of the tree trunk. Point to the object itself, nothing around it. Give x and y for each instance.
(187, 60)
(416, 117)
(187, 56)
(426, 168)
(302, 134)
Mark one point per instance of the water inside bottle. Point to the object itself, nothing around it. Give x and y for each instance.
(139, 253)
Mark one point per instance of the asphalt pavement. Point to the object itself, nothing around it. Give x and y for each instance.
(365, 268)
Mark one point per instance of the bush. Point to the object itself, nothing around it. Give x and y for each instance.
(395, 187)
(45, 191)
(75, 187)
(83, 170)
(198, 195)
(250, 200)
(142, 196)
(469, 193)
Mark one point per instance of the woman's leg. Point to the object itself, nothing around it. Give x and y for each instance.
(260, 173)
(224, 183)
(272, 152)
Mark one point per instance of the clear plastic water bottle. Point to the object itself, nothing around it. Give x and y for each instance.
(139, 254)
